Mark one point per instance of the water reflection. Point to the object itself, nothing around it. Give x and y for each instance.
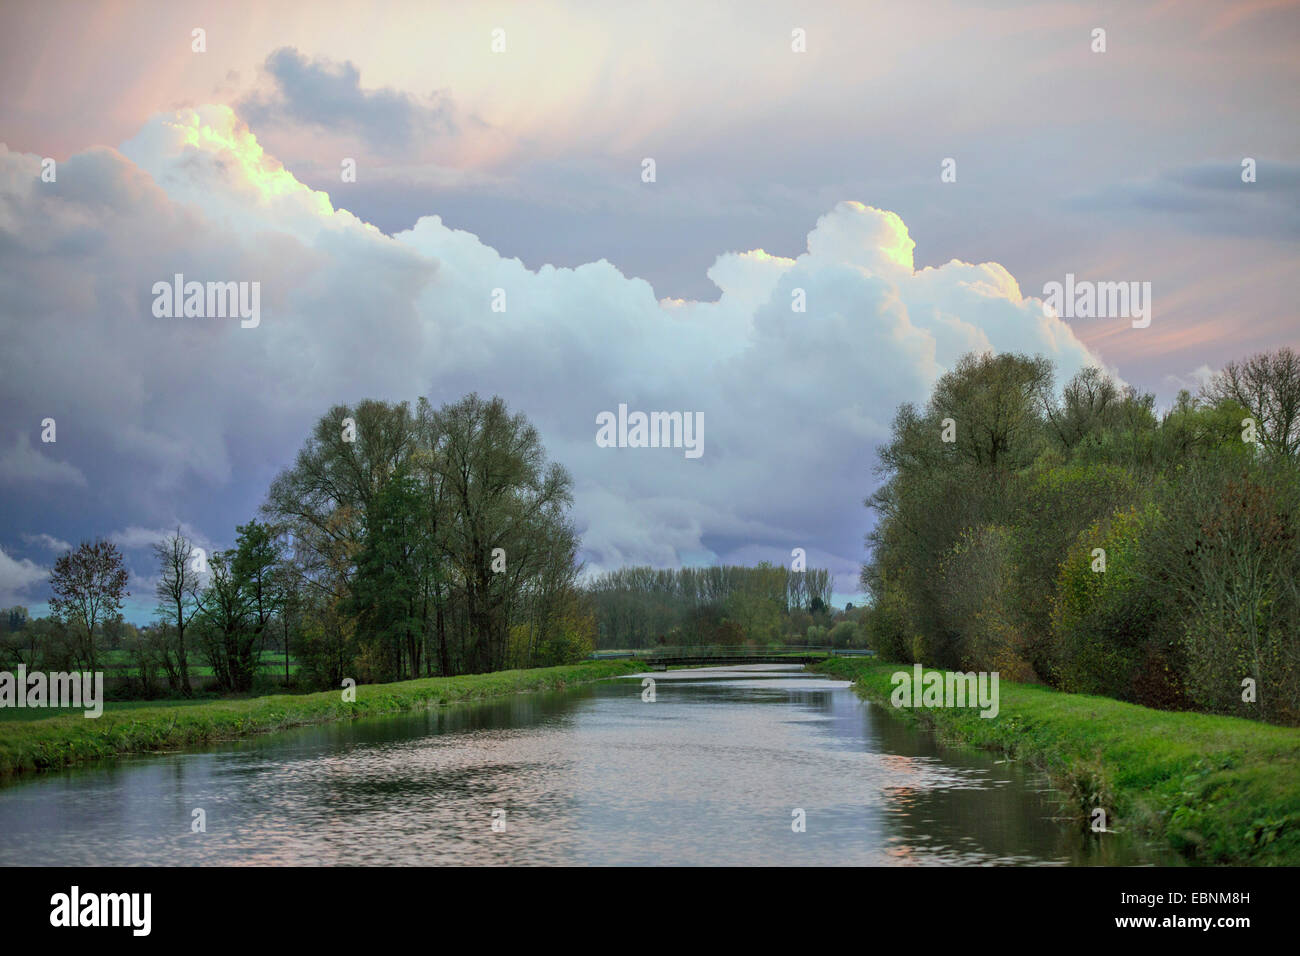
(709, 773)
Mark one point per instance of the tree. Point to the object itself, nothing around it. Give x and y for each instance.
(1227, 551)
(994, 401)
(503, 498)
(145, 648)
(1108, 548)
(291, 602)
(16, 636)
(223, 625)
(13, 619)
(387, 588)
(843, 634)
(1268, 386)
(422, 539)
(257, 566)
(324, 499)
(88, 584)
(178, 601)
(1085, 403)
(954, 466)
(245, 592)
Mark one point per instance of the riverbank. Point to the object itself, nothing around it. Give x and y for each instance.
(1217, 789)
(66, 740)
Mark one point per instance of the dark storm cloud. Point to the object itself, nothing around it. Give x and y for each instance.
(1212, 198)
(322, 93)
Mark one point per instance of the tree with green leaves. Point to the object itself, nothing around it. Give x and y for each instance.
(503, 500)
(387, 590)
(258, 567)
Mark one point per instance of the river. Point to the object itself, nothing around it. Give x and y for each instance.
(713, 771)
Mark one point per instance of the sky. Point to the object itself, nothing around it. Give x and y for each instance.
(914, 174)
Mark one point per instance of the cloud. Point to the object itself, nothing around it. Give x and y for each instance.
(189, 419)
(48, 542)
(23, 463)
(328, 95)
(1193, 381)
(138, 538)
(1211, 198)
(16, 576)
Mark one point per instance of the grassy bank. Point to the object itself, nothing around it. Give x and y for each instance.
(1217, 789)
(28, 715)
(131, 728)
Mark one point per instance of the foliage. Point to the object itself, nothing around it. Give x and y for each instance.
(88, 586)
(639, 607)
(999, 496)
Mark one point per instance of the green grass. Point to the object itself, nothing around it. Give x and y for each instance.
(27, 715)
(1217, 789)
(118, 663)
(141, 727)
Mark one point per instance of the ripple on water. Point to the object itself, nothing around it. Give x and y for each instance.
(710, 773)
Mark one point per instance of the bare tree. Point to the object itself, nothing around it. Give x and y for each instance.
(1085, 401)
(1267, 385)
(178, 601)
(88, 586)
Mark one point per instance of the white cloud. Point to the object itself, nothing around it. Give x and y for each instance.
(135, 537)
(1193, 381)
(190, 416)
(48, 542)
(25, 463)
(16, 576)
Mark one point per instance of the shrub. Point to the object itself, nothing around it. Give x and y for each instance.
(1111, 625)
(843, 634)
(1228, 548)
(1056, 505)
(975, 586)
(888, 628)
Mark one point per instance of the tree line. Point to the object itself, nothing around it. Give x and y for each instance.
(1084, 539)
(639, 607)
(403, 542)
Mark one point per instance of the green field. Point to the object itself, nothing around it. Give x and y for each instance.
(25, 715)
(118, 663)
(139, 727)
(1217, 789)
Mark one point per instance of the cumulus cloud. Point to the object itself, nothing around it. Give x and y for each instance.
(193, 417)
(16, 576)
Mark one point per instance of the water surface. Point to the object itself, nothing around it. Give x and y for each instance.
(711, 772)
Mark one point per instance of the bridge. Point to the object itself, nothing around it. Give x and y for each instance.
(717, 655)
